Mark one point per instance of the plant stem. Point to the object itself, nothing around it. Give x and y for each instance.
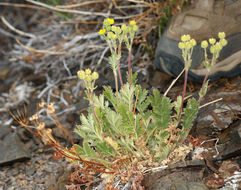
(119, 72)
(118, 63)
(129, 65)
(183, 95)
(116, 87)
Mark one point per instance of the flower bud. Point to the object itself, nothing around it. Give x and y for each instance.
(218, 46)
(113, 28)
(223, 42)
(185, 38)
(135, 28)
(110, 35)
(204, 44)
(212, 41)
(124, 28)
(221, 35)
(132, 22)
(88, 78)
(189, 45)
(212, 49)
(87, 71)
(193, 42)
(118, 30)
(81, 74)
(181, 45)
(95, 75)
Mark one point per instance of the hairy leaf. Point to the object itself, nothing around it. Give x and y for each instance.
(161, 110)
(108, 93)
(190, 113)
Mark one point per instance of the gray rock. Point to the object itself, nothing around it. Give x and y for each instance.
(12, 150)
(4, 131)
(177, 177)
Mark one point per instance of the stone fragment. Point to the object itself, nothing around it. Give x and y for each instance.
(12, 150)
(4, 131)
(179, 176)
(232, 147)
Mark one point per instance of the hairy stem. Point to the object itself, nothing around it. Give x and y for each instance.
(116, 87)
(129, 65)
(119, 72)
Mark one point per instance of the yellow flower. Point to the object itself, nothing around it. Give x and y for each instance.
(102, 32)
(132, 22)
(111, 21)
(87, 71)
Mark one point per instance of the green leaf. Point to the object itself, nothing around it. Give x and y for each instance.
(177, 105)
(142, 100)
(115, 121)
(133, 78)
(127, 95)
(79, 150)
(89, 151)
(105, 149)
(161, 110)
(204, 90)
(164, 135)
(80, 132)
(108, 93)
(100, 102)
(190, 113)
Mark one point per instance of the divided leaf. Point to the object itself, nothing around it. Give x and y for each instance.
(108, 93)
(190, 113)
(162, 108)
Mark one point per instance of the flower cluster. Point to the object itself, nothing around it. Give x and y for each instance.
(114, 36)
(88, 77)
(215, 49)
(186, 45)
